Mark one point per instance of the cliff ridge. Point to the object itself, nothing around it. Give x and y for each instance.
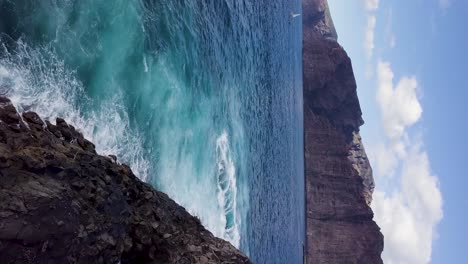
(339, 182)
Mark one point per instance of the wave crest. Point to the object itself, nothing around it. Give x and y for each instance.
(227, 189)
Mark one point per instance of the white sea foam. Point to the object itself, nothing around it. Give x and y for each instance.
(227, 189)
(190, 156)
(145, 64)
(35, 80)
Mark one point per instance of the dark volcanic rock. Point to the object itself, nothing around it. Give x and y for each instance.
(60, 202)
(339, 181)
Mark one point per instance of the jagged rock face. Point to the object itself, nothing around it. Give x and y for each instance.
(339, 181)
(60, 202)
(358, 158)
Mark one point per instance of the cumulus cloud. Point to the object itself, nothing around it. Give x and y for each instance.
(410, 207)
(369, 35)
(408, 217)
(384, 160)
(372, 5)
(399, 104)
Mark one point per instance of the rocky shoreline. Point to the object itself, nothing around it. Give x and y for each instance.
(61, 202)
(339, 183)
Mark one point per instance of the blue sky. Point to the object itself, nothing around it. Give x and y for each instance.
(410, 60)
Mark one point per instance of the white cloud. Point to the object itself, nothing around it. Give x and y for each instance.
(372, 5)
(408, 217)
(399, 104)
(384, 160)
(369, 36)
(370, 71)
(409, 208)
(407, 202)
(389, 34)
(386, 157)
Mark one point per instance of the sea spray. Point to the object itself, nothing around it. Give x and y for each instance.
(227, 189)
(36, 80)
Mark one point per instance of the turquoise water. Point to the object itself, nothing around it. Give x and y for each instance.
(203, 99)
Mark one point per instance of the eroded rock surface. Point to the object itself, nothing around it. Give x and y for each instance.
(339, 181)
(60, 202)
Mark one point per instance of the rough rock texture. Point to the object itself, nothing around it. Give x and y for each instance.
(60, 202)
(339, 181)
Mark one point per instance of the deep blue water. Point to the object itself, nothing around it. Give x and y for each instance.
(203, 99)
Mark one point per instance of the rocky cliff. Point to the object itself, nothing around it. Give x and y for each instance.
(60, 202)
(339, 181)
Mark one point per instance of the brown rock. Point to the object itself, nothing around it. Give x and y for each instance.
(60, 202)
(339, 180)
(32, 118)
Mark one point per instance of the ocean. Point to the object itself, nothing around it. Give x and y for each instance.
(203, 99)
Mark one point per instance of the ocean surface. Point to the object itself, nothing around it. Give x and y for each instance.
(203, 99)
